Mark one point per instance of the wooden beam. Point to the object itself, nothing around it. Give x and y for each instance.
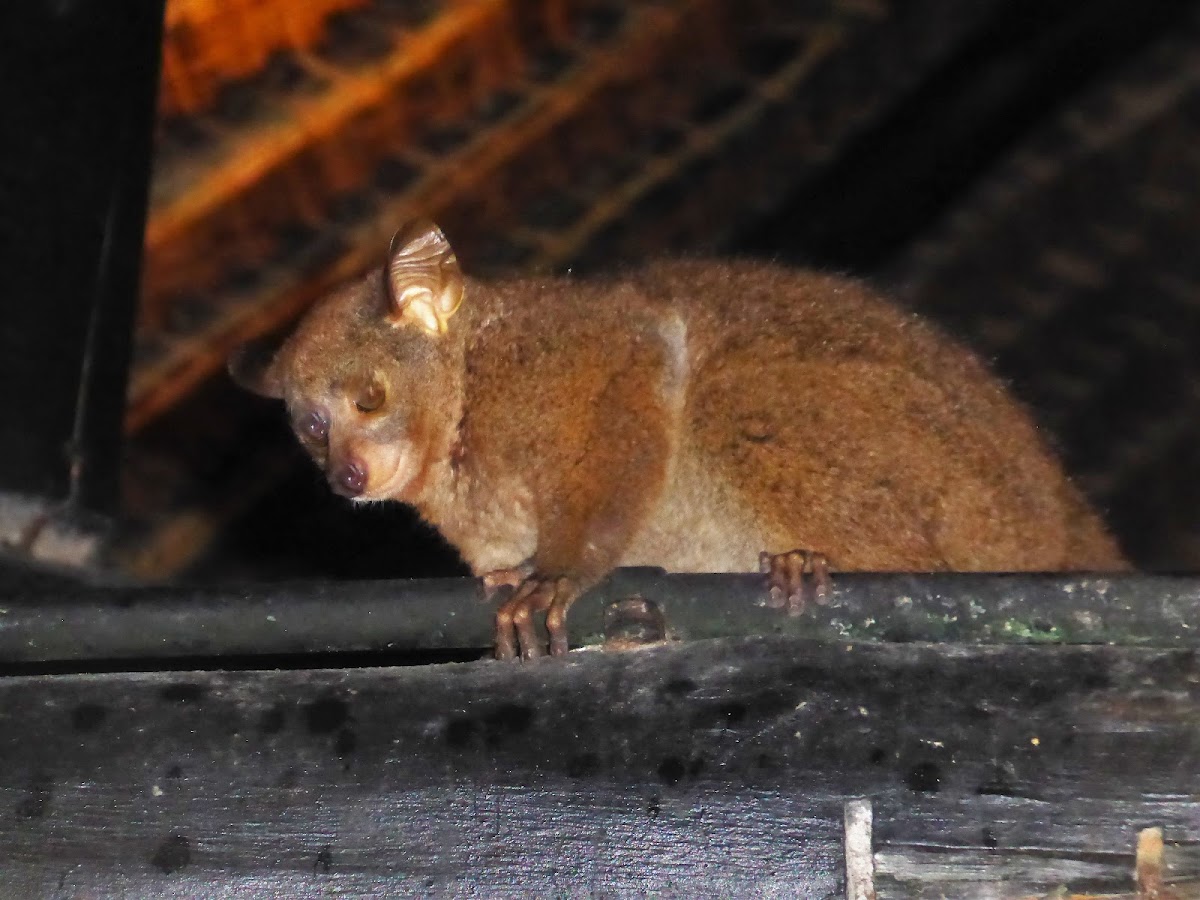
(705, 768)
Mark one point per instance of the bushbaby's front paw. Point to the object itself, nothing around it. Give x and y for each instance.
(516, 629)
(788, 574)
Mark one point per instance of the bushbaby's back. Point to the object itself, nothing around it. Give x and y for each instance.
(818, 415)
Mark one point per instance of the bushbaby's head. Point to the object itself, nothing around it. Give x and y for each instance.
(372, 376)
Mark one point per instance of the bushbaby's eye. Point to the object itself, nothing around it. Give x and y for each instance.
(371, 397)
(314, 426)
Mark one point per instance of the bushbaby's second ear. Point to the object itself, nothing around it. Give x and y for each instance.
(252, 366)
(424, 282)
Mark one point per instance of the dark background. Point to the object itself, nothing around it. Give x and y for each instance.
(1025, 173)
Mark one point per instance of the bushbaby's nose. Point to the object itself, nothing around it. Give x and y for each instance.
(349, 479)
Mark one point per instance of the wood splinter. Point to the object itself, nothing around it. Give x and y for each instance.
(860, 861)
(1148, 868)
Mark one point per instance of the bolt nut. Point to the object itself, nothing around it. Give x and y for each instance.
(633, 622)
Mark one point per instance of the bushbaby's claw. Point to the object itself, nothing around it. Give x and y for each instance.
(788, 574)
(516, 630)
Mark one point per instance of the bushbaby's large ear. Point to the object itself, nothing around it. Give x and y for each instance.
(424, 282)
(252, 366)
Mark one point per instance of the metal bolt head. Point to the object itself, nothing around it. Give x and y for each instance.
(633, 622)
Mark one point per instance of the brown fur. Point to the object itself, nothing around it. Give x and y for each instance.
(687, 415)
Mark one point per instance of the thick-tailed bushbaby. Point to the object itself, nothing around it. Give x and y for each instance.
(695, 415)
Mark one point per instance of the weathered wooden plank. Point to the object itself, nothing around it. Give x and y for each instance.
(1007, 822)
(982, 850)
(698, 769)
(913, 874)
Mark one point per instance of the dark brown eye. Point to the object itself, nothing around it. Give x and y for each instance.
(314, 426)
(371, 397)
